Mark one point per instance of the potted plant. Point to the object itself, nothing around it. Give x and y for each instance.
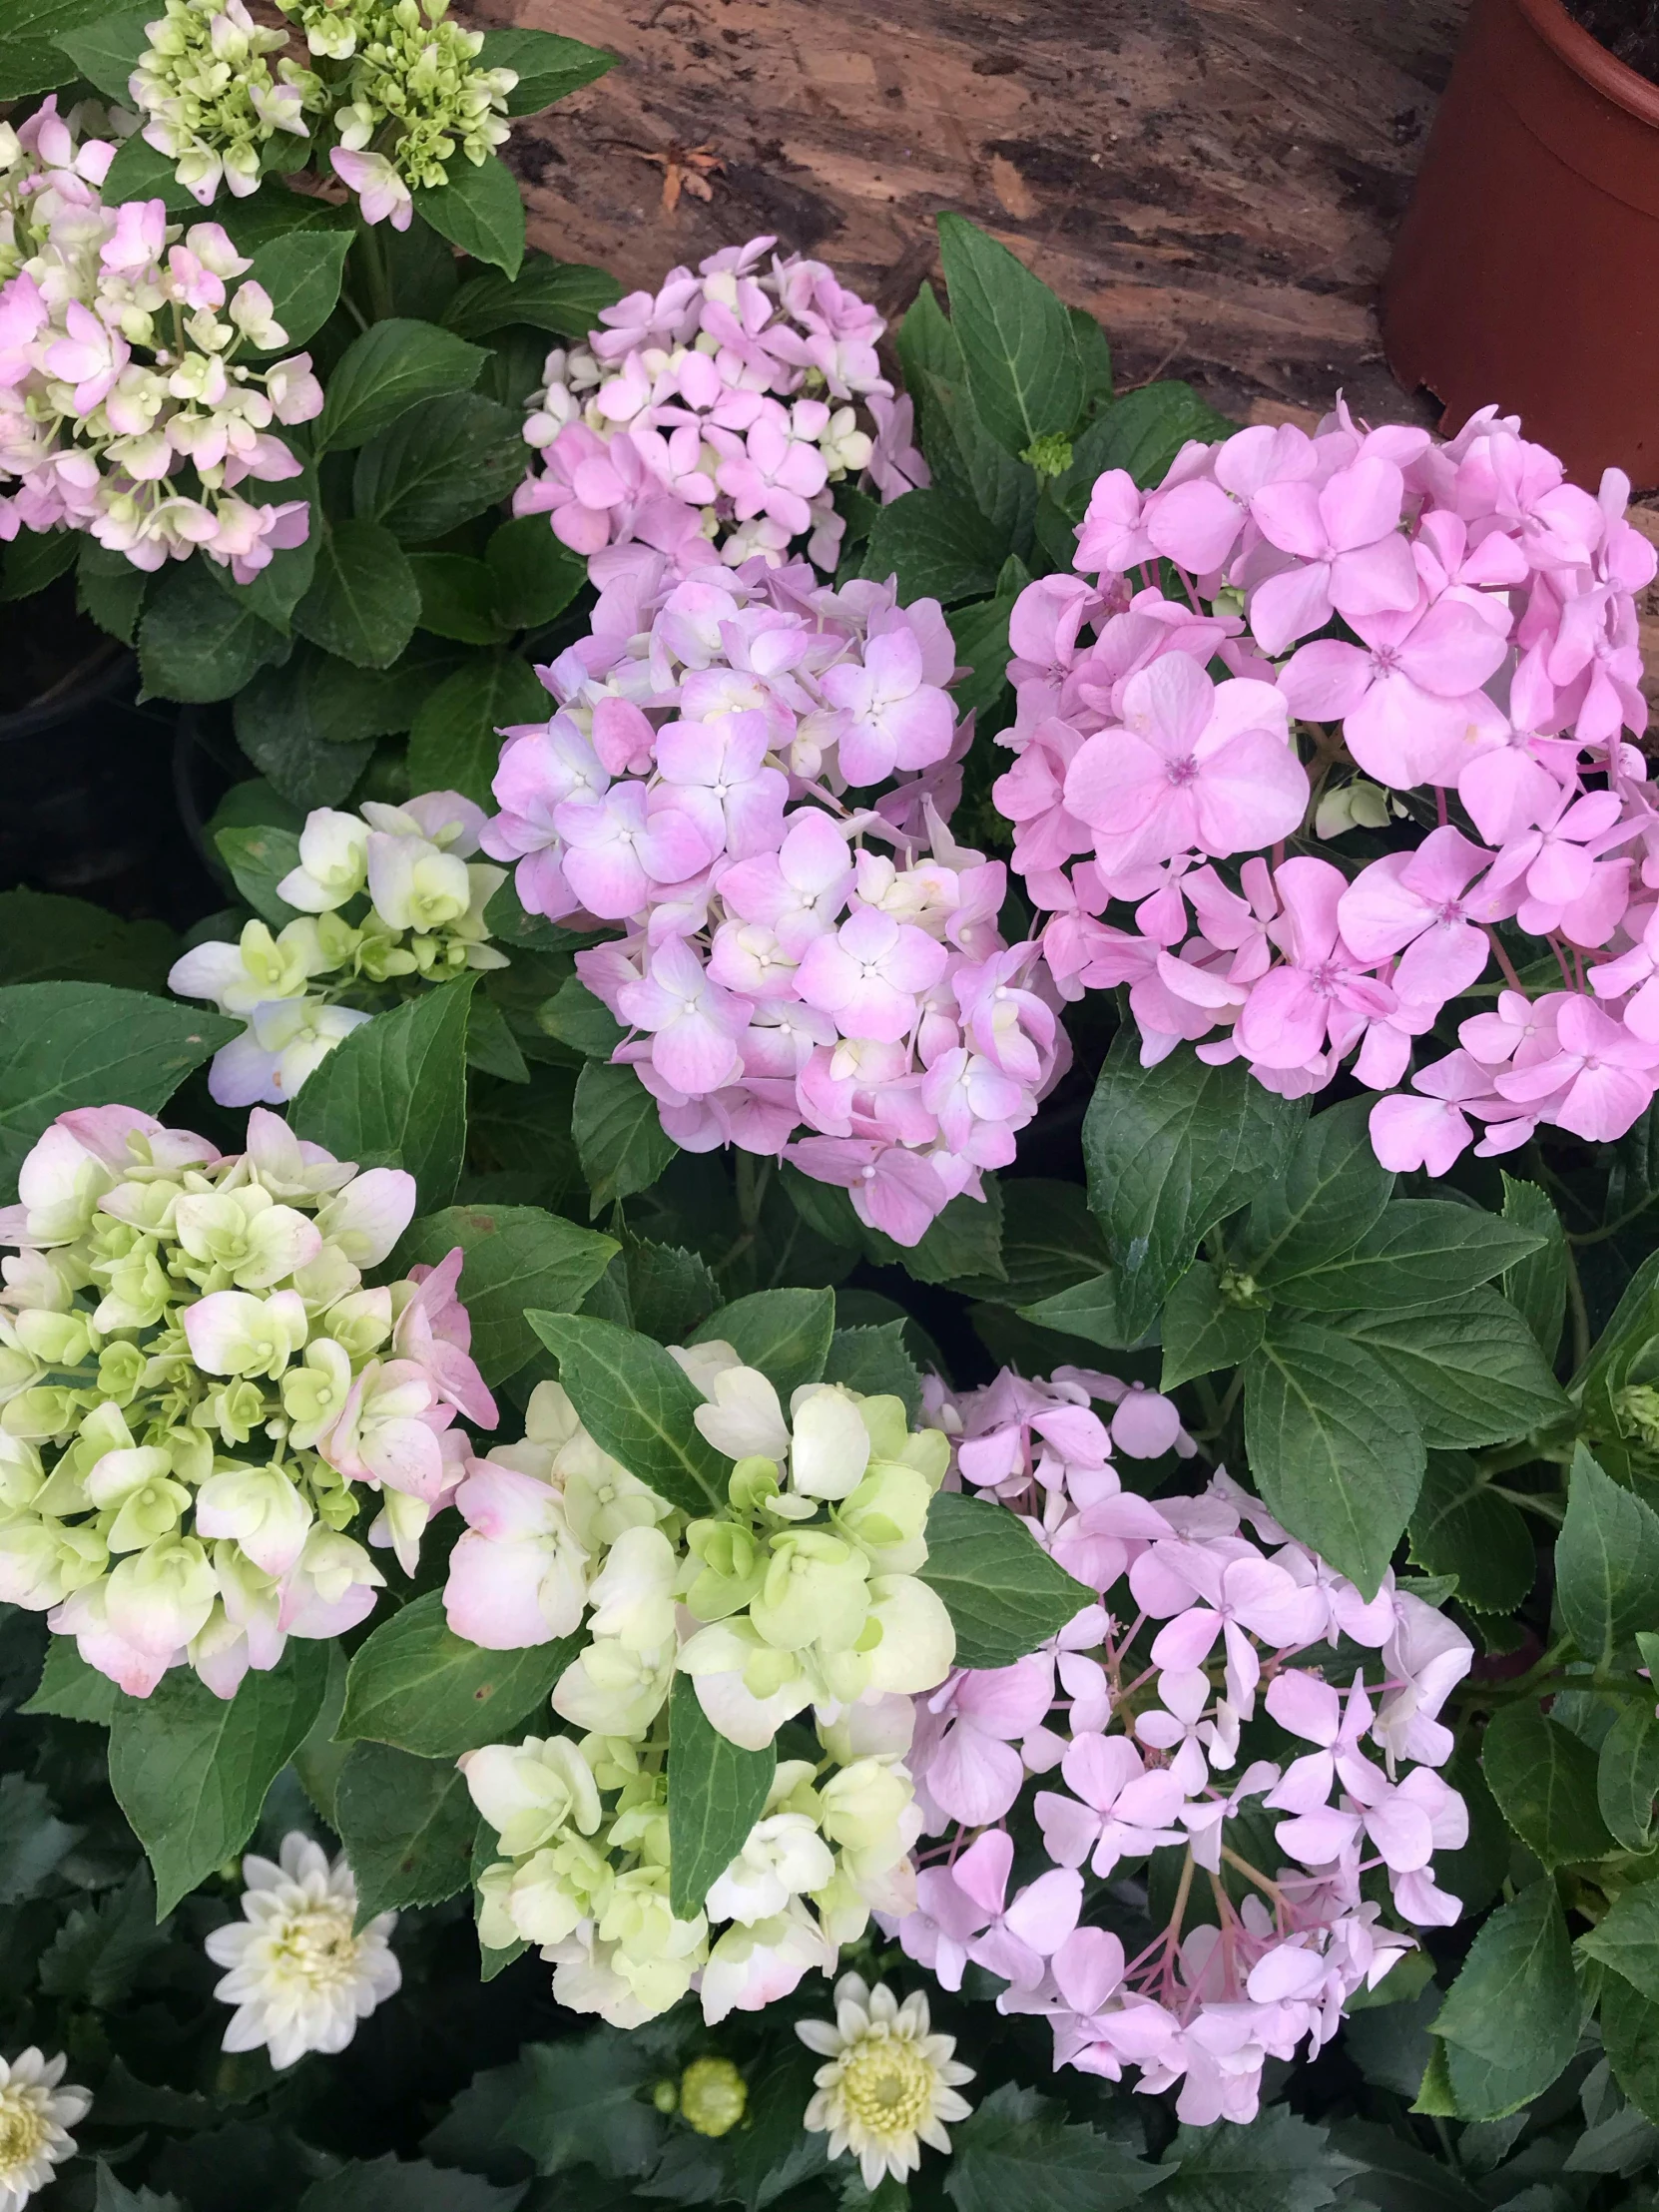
(1527, 268)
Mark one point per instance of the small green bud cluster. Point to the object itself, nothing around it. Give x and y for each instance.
(210, 103)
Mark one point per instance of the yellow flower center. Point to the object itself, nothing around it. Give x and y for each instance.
(23, 2131)
(319, 1945)
(887, 2085)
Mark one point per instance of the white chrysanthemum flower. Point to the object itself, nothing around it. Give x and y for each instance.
(889, 2085)
(299, 1979)
(35, 2118)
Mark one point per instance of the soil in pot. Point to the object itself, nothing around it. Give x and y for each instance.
(1629, 29)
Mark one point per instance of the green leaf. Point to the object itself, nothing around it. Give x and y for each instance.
(584, 2105)
(390, 2184)
(257, 860)
(1089, 1309)
(1145, 429)
(1627, 1775)
(46, 939)
(1004, 1594)
(1627, 1937)
(1417, 1249)
(32, 52)
(416, 1685)
(195, 643)
(1333, 1190)
(190, 1770)
(1510, 2019)
(89, 1044)
(771, 2155)
(71, 1689)
(363, 601)
(1544, 1778)
(1050, 1243)
(408, 1825)
(638, 1405)
(1459, 1527)
(980, 636)
(535, 577)
(455, 739)
(280, 586)
(302, 271)
(318, 1759)
(548, 67)
(1333, 1447)
(963, 1241)
(580, 1020)
(516, 1256)
(1470, 1369)
(394, 1092)
(1278, 2164)
(139, 173)
(276, 731)
(563, 297)
(458, 598)
(1606, 1562)
(1537, 1285)
(717, 1791)
(938, 547)
(276, 210)
(1630, 2036)
(1017, 2150)
(1025, 371)
(786, 1334)
(480, 209)
(1170, 1151)
(115, 2196)
(33, 1840)
(110, 590)
(442, 462)
(31, 561)
(621, 1142)
(393, 366)
(873, 1360)
(1202, 1329)
(100, 1951)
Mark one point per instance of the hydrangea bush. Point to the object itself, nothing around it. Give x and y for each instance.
(1054, 1582)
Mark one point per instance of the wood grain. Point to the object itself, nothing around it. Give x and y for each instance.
(1215, 179)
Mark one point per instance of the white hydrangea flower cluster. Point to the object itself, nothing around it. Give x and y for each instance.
(211, 102)
(385, 899)
(398, 87)
(806, 1593)
(197, 1387)
(127, 405)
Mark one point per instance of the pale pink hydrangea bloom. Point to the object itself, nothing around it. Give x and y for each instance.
(709, 421)
(802, 973)
(104, 426)
(1127, 1737)
(1481, 649)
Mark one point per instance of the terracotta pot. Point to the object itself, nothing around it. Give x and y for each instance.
(1527, 269)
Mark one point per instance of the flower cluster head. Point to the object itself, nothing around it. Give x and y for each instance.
(710, 421)
(804, 1593)
(197, 1387)
(1199, 1717)
(124, 408)
(36, 2115)
(299, 1978)
(416, 99)
(208, 98)
(1361, 628)
(386, 902)
(790, 957)
(887, 2085)
(397, 89)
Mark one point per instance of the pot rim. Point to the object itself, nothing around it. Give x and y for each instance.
(1588, 59)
